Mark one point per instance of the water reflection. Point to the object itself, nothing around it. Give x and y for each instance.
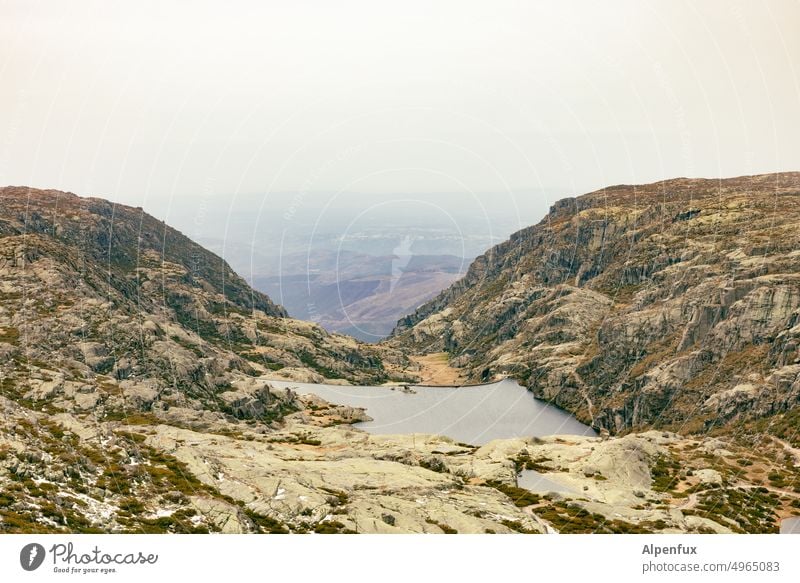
(473, 415)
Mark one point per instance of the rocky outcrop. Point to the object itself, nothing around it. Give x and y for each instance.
(674, 304)
(135, 390)
(190, 470)
(104, 296)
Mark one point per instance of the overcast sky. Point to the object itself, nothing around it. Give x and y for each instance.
(144, 102)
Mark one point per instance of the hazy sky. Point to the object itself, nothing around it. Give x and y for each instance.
(144, 102)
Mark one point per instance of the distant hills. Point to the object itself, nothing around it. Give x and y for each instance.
(356, 262)
(359, 294)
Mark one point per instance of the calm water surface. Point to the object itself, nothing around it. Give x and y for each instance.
(474, 415)
(536, 482)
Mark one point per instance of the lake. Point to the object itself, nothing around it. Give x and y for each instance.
(474, 415)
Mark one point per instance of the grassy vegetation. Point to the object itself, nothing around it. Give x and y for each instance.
(523, 461)
(188, 346)
(332, 527)
(264, 524)
(302, 437)
(569, 518)
(516, 526)
(308, 359)
(337, 498)
(665, 473)
(784, 426)
(9, 335)
(261, 359)
(445, 528)
(159, 480)
(750, 359)
(131, 417)
(519, 496)
(787, 478)
(743, 510)
(656, 353)
(434, 464)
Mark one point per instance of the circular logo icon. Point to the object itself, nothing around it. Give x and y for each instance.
(31, 556)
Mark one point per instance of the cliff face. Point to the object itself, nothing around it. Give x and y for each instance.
(93, 291)
(113, 325)
(670, 304)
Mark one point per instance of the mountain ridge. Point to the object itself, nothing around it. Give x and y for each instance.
(616, 287)
(136, 396)
(74, 266)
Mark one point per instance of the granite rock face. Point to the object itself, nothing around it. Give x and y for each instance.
(674, 304)
(104, 295)
(188, 470)
(111, 320)
(135, 391)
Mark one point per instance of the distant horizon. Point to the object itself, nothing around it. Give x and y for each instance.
(319, 193)
(494, 98)
(323, 192)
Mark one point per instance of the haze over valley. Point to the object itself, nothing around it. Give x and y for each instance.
(356, 263)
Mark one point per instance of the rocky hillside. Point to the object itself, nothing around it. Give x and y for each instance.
(89, 288)
(674, 304)
(135, 397)
(110, 319)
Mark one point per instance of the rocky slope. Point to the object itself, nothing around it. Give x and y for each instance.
(674, 304)
(135, 396)
(91, 288)
(110, 317)
(184, 470)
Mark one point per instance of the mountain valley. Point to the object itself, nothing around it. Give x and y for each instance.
(139, 393)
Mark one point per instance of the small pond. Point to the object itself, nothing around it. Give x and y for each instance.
(536, 482)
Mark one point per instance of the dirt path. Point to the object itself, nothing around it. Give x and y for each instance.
(690, 502)
(795, 452)
(436, 370)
